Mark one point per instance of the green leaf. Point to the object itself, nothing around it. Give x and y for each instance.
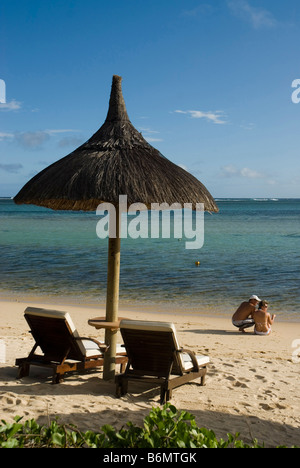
(58, 439)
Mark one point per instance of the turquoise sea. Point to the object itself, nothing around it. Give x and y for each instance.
(252, 246)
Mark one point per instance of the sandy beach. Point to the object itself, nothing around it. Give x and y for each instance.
(252, 385)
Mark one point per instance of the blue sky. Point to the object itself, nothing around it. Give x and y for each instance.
(208, 83)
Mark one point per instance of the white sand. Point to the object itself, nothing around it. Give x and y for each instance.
(252, 385)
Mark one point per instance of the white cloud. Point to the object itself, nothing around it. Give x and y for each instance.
(217, 117)
(70, 141)
(56, 131)
(200, 10)
(147, 134)
(5, 136)
(151, 139)
(250, 173)
(12, 168)
(247, 126)
(256, 16)
(233, 171)
(10, 106)
(183, 167)
(34, 140)
(148, 130)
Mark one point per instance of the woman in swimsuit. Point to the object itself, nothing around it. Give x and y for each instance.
(263, 320)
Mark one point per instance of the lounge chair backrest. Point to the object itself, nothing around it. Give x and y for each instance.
(150, 346)
(55, 332)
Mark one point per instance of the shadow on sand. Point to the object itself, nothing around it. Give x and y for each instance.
(134, 407)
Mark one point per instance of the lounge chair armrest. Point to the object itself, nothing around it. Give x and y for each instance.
(192, 356)
(102, 346)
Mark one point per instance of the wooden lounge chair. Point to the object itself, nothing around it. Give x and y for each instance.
(63, 350)
(154, 356)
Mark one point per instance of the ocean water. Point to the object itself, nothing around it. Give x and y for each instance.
(252, 246)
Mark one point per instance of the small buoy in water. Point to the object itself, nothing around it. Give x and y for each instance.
(197, 263)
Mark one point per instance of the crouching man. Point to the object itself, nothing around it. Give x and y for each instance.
(243, 317)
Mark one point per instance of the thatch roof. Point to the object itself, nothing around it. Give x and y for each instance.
(115, 161)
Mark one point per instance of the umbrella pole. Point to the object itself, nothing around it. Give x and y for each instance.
(112, 300)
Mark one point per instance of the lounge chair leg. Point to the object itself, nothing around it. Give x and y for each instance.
(163, 395)
(124, 386)
(202, 381)
(118, 387)
(57, 378)
(118, 390)
(23, 370)
(121, 387)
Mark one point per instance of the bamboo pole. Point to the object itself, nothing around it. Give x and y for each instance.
(112, 300)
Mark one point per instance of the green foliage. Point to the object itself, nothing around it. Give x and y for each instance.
(162, 428)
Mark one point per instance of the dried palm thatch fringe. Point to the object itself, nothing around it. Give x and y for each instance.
(115, 161)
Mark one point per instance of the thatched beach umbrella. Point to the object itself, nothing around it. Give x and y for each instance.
(115, 161)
